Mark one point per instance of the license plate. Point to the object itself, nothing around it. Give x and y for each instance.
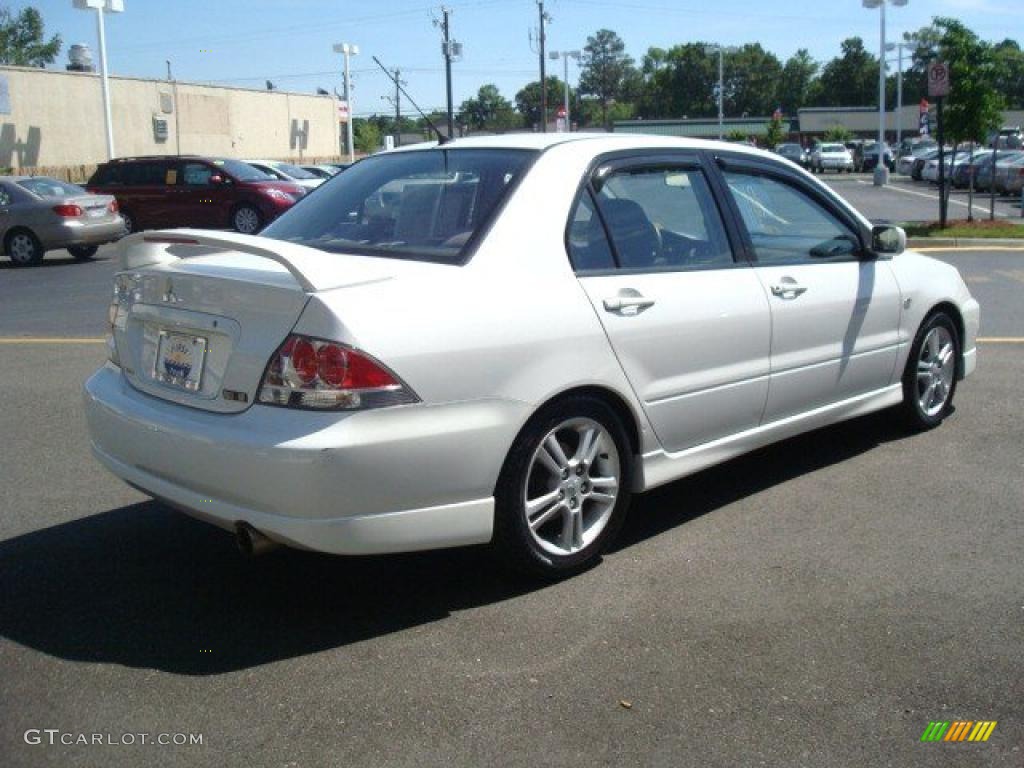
(179, 360)
(95, 213)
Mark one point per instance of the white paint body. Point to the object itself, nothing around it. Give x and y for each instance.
(717, 367)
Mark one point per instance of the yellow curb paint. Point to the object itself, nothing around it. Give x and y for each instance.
(57, 340)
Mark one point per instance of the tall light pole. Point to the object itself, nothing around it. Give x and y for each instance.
(101, 7)
(348, 51)
(899, 83)
(881, 172)
(565, 56)
(721, 50)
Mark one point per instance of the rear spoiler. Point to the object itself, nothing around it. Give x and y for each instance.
(306, 265)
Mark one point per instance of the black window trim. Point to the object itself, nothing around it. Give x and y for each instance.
(756, 166)
(659, 157)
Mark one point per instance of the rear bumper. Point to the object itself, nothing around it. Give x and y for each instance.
(83, 233)
(391, 480)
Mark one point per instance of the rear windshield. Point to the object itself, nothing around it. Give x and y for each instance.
(423, 204)
(294, 171)
(242, 171)
(45, 187)
(832, 148)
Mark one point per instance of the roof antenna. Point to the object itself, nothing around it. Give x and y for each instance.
(441, 138)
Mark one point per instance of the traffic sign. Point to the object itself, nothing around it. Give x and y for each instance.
(938, 79)
(342, 111)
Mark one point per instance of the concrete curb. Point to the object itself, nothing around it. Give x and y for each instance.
(963, 242)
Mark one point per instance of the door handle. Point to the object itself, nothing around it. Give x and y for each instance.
(788, 290)
(630, 305)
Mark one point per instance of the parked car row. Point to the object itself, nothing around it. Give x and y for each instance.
(39, 214)
(1000, 170)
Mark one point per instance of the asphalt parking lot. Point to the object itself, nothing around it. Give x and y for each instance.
(817, 603)
(905, 200)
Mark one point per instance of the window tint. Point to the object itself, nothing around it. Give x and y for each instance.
(424, 204)
(106, 174)
(144, 174)
(196, 174)
(663, 217)
(588, 244)
(786, 225)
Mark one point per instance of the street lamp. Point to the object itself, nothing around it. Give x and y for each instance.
(565, 56)
(881, 172)
(101, 7)
(348, 51)
(721, 51)
(910, 41)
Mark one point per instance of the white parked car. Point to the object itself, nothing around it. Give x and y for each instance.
(287, 172)
(831, 157)
(527, 331)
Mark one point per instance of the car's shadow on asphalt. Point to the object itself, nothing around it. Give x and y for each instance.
(143, 586)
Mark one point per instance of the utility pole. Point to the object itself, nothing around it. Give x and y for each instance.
(445, 28)
(348, 50)
(543, 73)
(398, 108)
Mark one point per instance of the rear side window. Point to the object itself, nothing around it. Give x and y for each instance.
(144, 174)
(106, 175)
(588, 245)
(662, 218)
(422, 204)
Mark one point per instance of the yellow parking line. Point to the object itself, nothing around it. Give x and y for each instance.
(50, 340)
(981, 248)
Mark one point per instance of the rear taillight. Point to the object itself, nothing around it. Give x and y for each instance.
(113, 206)
(323, 375)
(68, 211)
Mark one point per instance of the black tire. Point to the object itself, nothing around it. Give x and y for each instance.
(130, 224)
(23, 247)
(246, 219)
(83, 252)
(512, 536)
(915, 417)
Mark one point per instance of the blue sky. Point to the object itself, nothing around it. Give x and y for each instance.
(244, 42)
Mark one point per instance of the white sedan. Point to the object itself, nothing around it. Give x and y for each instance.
(502, 339)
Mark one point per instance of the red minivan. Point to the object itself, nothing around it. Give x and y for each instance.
(185, 191)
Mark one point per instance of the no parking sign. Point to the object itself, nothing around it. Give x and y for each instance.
(938, 79)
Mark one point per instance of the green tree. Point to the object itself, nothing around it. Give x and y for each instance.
(797, 81)
(974, 106)
(775, 132)
(528, 99)
(367, 137)
(838, 133)
(752, 78)
(608, 73)
(489, 111)
(1009, 72)
(679, 82)
(22, 39)
(850, 79)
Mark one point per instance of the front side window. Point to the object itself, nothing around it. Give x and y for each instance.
(422, 204)
(786, 225)
(196, 175)
(662, 218)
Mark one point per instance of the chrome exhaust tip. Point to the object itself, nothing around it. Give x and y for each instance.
(251, 542)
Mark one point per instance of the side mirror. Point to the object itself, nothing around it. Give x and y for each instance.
(889, 240)
(216, 179)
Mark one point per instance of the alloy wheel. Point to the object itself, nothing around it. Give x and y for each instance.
(936, 369)
(247, 221)
(571, 486)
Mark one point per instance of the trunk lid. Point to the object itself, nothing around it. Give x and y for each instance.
(202, 313)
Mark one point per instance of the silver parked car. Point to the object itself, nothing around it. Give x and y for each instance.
(39, 214)
(531, 330)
